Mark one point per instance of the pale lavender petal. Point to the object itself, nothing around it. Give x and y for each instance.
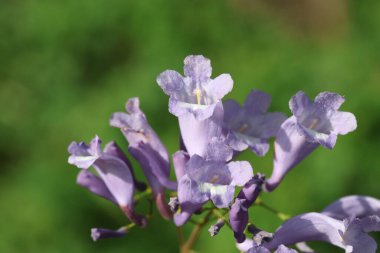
(103, 233)
(180, 158)
(308, 227)
(94, 184)
(260, 149)
(284, 249)
(117, 177)
(300, 103)
(343, 122)
(257, 102)
(189, 191)
(171, 83)
(290, 148)
(218, 150)
(241, 172)
(198, 68)
(357, 206)
(219, 87)
(113, 149)
(329, 100)
(80, 155)
(196, 134)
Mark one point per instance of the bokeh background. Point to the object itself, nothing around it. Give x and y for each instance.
(65, 66)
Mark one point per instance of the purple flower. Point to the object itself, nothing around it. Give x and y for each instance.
(210, 178)
(103, 233)
(312, 124)
(250, 125)
(239, 210)
(115, 181)
(215, 228)
(148, 150)
(350, 234)
(280, 249)
(196, 93)
(355, 205)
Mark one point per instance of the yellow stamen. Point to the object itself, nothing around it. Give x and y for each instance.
(197, 93)
(243, 128)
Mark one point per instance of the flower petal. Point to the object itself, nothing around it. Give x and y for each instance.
(241, 172)
(103, 233)
(355, 205)
(198, 68)
(343, 122)
(257, 102)
(329, 100)
(299, 103)
(171, 83)
(94, 184)
(220, 86)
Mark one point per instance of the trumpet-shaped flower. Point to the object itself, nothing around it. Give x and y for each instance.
(115, 181)
(312, 124)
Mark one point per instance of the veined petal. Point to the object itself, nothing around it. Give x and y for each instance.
(218, 150)
(299, 103)
(329, 100)
(197, 67)
(171, 83)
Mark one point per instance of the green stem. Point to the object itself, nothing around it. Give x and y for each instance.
(218, 214)
(280, 215)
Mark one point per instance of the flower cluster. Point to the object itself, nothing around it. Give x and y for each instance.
(209, 179)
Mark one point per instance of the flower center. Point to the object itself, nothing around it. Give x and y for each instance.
(214, 179)
(314, 123)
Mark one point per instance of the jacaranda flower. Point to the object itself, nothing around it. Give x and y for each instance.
(148, 150)
(250, 125)
(196, 93)
(115, 181)
(210, 178)
(312, 124)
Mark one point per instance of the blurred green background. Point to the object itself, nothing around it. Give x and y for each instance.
(65, 66)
